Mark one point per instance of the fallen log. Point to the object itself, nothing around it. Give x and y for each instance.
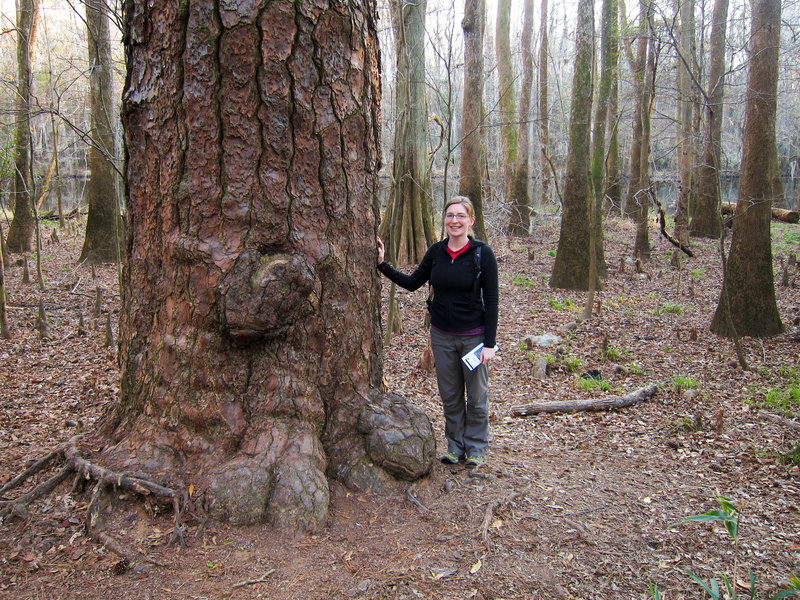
(786, 422)
(636, 397)
(781, 214)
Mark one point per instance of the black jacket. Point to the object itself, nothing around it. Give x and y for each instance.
(458, 304)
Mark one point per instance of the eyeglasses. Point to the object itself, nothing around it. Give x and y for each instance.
(450, 217)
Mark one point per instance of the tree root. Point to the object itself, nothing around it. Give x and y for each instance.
(83, 470)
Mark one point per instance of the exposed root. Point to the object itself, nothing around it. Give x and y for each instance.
(105, 479)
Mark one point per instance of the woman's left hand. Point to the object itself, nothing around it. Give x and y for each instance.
(487, 354)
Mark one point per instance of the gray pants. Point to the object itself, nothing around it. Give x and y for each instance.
(466, 419)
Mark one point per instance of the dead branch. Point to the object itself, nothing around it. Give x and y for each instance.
(262, 579)
(662, 223)
(614, 402)
(489, 514)
(780, 214)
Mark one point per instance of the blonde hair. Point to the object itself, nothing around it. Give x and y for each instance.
(466, 203)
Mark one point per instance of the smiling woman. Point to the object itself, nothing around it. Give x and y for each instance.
(462, 273)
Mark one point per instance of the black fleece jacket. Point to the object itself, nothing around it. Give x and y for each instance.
(457, 304)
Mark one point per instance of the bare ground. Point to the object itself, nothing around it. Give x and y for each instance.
(580, 505)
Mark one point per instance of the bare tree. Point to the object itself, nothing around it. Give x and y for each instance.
(520, 222)
(705, 218)
(20, 232)
(686, 155)
(506, 92)
(407, 225)
(571, 266)
(471, 177)
(747, 304)
(250, 344)
(543, 128)
(103, 228)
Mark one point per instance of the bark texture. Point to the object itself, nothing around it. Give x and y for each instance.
(520, 221)
(250, 342)
(102, 241)
(507, 99)
(747, 305)
(543, 123)
(471, 176)
(571, 266)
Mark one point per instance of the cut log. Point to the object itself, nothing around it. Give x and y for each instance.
(636, 397)
(781, 214)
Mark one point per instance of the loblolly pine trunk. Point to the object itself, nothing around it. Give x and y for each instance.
(250, 336)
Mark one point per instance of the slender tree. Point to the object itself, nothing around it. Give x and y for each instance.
(543, 122)
(102, 241)
(747, 304)
(684, 69)
(20, 232)
(641, 248)
(607, 70)
(571, 266)
(506, 92)
(250, 345)
(520, 222)
(638, 64)
(705, 218)
(612, 194)
(471, 177)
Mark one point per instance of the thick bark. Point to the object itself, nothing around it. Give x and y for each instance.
(747, 304)
(407, 227)
(102, 241)
(506, 91)
(705, 217)
(571, 266)
(520, 221)
(638, 66)
(471, 176)
(250, 343)
(20, 232)
(543, 122)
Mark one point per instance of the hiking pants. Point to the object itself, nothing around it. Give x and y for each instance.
(466, 419)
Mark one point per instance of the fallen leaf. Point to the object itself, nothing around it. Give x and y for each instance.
(476, 567)
(440, 573)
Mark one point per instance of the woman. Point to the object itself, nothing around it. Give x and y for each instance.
(462, 272)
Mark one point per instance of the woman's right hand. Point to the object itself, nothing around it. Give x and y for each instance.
(381, 251)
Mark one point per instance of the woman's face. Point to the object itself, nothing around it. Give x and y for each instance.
(457, 220)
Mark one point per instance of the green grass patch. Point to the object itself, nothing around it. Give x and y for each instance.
(522, 280)
(681, 383)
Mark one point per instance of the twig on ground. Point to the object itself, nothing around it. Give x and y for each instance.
(262, 579)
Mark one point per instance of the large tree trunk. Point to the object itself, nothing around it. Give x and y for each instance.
(250, 342)
(102, 241)
(747, 305)
(638, 65)
(684, 69)
(571, 266)
(520, 222)
(706, 221)
(507, 97)
(543, 122)
(407, 228)
(471, 177)
(20, 232)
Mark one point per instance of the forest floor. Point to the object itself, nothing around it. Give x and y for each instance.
(569, 505)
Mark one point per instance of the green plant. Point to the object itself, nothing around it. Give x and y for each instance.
(572, 363)
(522, 280)
(687, 424)
(614, 353)
(635, 369)
(698, 273)
(551, 253)
(729, 515)
(681, 383)
(588, 383)
(565, 304)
